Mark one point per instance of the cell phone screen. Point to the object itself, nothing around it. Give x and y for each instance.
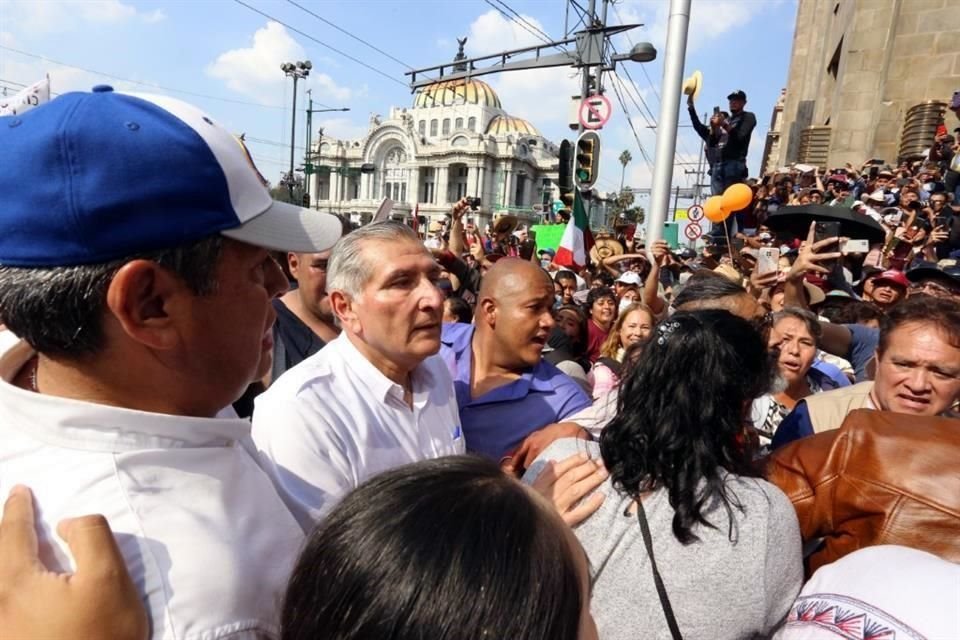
(824, 230)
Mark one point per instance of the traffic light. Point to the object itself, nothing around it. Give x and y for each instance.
(588, 160)
(564, 178)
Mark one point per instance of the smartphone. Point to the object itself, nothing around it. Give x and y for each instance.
(768, 260)
(826, 229)
(855, 246)
(737, 244)
(822, 231)
(940, 221)
(874, 171)
(716, 111)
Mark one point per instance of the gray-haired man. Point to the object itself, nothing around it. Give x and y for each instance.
(376, 397)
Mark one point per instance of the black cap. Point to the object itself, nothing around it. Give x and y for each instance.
(737, 95)
(932, 271)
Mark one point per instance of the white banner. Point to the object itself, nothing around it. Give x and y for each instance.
(26, 99)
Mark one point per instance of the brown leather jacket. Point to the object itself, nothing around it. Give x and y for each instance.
(881, 478)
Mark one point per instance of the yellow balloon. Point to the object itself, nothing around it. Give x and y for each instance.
(737, 196)
(713, 209)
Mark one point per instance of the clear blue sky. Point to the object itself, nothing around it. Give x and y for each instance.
(230, 56)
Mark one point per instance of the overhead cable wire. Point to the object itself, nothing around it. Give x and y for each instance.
(519, 19)
(138, 82)
(321, 43)
(636, 137)
(344, 31)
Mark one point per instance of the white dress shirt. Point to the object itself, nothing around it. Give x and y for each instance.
(335, 420)
(204, 535)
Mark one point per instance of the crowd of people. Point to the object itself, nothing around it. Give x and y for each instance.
(287, 428)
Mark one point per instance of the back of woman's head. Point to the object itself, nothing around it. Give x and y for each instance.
(442, 549)
(681, 413)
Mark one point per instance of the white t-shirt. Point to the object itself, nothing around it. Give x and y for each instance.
(884, 591)
(204, 535)
(335, 420)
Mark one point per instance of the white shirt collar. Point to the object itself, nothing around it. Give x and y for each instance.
(380, 385)
(95, 427)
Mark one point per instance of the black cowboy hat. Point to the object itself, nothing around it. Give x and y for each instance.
(797, 219)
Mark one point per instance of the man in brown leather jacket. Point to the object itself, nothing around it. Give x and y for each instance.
(882, 478)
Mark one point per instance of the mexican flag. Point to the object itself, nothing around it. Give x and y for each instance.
(575, 245)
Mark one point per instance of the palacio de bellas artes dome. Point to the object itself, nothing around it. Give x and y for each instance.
(455, 140)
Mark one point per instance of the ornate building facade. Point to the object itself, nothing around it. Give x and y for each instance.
(455, 140)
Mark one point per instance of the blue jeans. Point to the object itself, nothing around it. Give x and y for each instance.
(722, 175)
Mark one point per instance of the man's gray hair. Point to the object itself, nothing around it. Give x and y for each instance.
(348, 269)
(59, 310)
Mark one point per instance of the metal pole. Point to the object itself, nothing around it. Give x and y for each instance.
(676, 203)
(677, 27)
(306, 151)
(319, 157)
(293, 133)
(584, 94)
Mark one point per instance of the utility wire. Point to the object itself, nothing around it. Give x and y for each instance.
(520, 20)
(322, 44)
(138, 82)
(653, 87)
(626, 112)
(344, 31)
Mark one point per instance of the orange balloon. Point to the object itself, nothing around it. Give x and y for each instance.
(713, 209)
(737, 196)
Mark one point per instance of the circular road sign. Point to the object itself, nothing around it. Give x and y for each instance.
(692, 231)
(595, 111)
(695, 213)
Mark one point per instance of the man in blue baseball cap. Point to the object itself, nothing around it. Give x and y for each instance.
(135, 269)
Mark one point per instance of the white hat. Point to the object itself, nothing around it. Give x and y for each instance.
(629, 277)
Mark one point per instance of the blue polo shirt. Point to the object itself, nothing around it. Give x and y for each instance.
(497, 422)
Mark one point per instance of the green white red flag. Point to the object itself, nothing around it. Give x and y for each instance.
(575, 245)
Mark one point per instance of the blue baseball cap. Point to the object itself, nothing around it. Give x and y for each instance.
(94, 177)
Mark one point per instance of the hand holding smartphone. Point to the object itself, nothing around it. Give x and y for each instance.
(824, 230)
(768, 260)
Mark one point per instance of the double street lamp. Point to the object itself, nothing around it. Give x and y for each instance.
(295, 70)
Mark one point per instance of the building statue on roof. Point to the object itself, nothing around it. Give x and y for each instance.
(460, 57)
(455, 140)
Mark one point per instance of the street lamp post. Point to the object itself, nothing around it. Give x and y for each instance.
(307, 154)
(295, 70)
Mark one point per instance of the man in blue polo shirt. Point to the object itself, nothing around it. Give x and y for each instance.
(505, 391)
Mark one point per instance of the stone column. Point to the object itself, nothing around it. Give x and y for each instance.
(335, 179)
(482, 192)
(365, 179)
(441, 185)
(413, 185)
(508, 185)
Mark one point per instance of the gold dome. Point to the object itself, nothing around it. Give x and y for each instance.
(502, 125)
(449, 93)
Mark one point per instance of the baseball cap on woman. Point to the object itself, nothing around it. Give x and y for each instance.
(98, 176)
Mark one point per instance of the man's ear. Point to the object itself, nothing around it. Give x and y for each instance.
(487, 308)
(293, 264)
(343, 307)
(144, 298)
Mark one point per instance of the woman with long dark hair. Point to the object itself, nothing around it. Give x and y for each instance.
(445, 549)
(724, 543)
